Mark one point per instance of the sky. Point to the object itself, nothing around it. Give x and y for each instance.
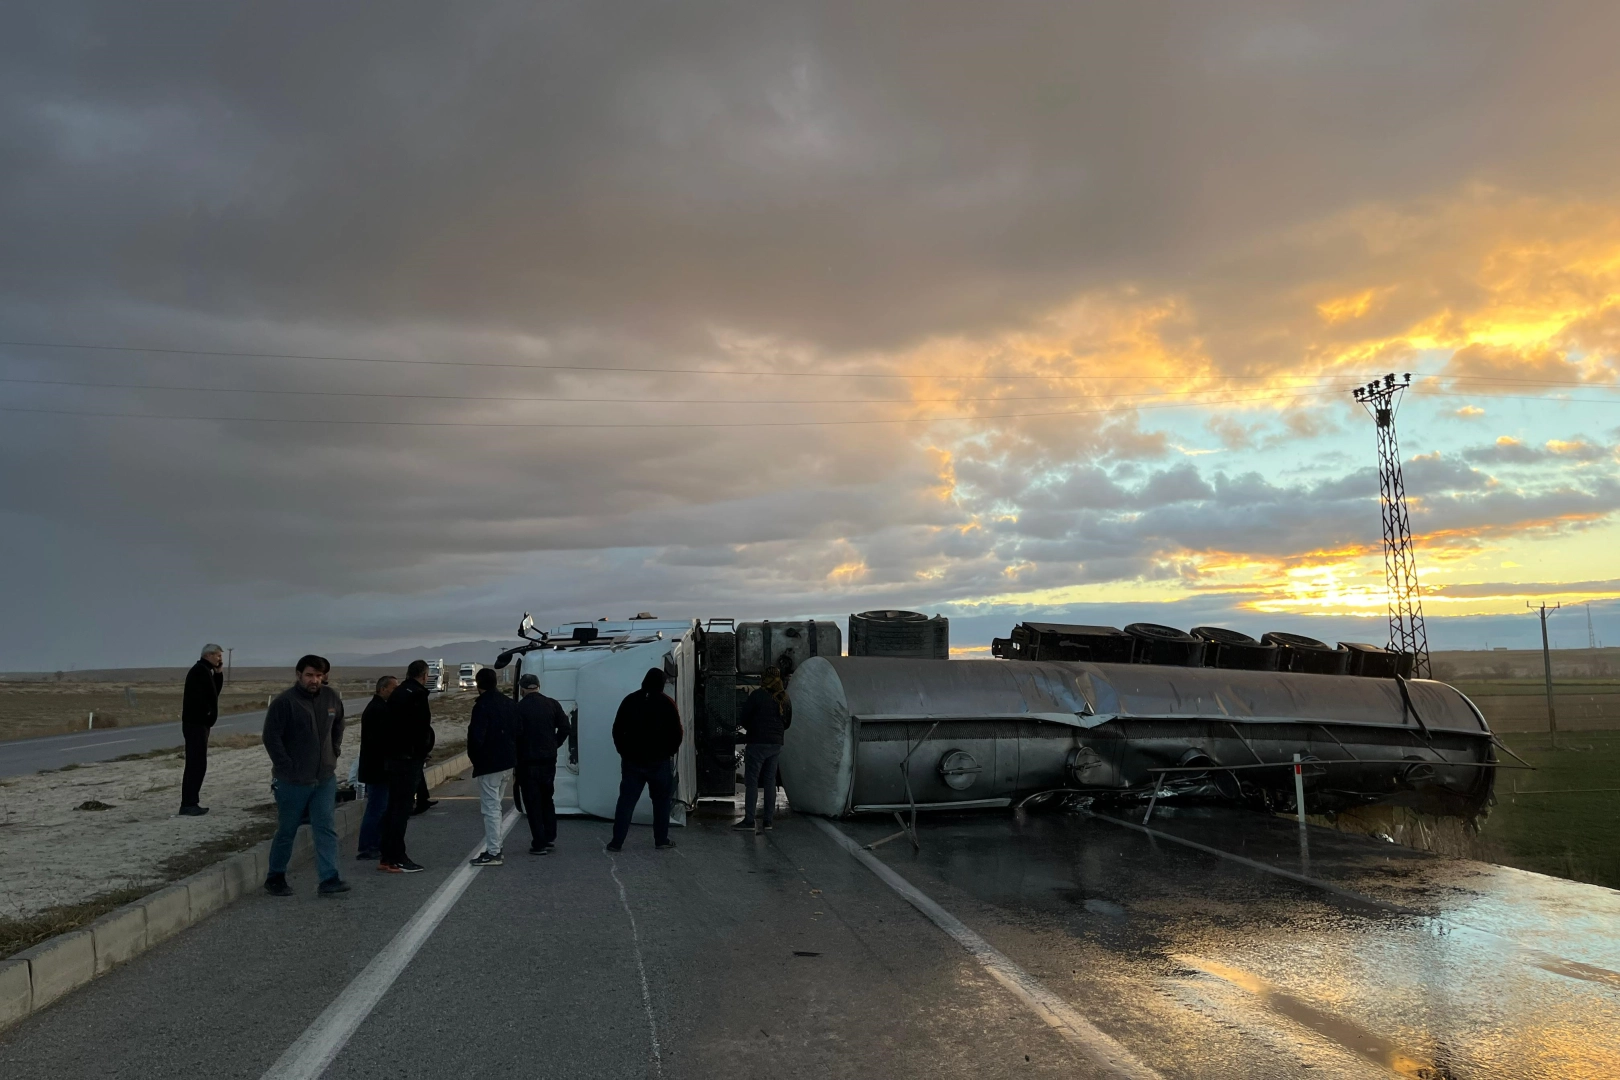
(350, 327)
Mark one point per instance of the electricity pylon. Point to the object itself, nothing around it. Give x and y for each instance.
(1382, 397)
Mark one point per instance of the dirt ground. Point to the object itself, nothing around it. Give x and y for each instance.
(70, 835)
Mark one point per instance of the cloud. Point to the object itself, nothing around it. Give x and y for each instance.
(1089, 240)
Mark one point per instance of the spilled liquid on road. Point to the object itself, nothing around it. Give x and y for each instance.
(1504, 974)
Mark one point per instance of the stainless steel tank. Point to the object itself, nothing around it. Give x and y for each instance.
(874, 733)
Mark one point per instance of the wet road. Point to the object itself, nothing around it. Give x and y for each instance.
(1445, 969)
(20, 756)
(782, 955)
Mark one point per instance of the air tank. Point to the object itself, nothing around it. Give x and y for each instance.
(909, 634)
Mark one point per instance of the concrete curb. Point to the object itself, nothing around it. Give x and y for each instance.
(36, 977)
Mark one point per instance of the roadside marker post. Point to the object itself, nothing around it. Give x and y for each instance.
(1299, 789)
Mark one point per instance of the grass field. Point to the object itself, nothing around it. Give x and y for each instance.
(48, 705)
(1564, 818)
(1520, 704)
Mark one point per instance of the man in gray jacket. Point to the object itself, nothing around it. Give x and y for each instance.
(303, 732)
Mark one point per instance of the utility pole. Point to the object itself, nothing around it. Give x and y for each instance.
(1591, 637)
(1546, 666)
(228, 653)
(1407, 633)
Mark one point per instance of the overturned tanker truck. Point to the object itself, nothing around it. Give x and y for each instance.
(1134, 715)
(1149, 713)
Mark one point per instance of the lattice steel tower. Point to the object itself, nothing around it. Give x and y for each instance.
(1382, 397)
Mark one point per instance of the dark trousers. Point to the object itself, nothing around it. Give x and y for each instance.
(196, 736)
(371, 824)
(421, 794)
(403, 776)
(538, 783)
(658, 778)
(759, 774)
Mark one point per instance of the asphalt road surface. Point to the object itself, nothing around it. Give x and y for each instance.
(20, 756)
(785, 955)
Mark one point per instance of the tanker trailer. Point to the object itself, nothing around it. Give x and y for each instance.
(876, 734)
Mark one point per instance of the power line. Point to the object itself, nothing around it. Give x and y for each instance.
(766, 372)
(612, 400)
(548, 426)
(393, 395)
(559, 367)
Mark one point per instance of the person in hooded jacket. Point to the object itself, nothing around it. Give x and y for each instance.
(492, 746)
(370, 770)
(542, 730)
(647, 731)
(766, 715)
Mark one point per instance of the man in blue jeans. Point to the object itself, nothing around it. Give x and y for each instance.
(647, 731)
(303, 732)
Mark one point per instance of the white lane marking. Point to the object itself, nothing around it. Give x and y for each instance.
(641, 969)
(95, 746)
(1094, 1043)
(309, 1056)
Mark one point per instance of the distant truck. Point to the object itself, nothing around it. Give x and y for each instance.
(469, 675)
(435, 676)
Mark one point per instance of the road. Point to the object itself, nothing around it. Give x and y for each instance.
(784, 955)
(20, 756)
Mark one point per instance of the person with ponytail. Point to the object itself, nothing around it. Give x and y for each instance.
(766, 716)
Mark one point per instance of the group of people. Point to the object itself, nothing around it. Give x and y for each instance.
(508, 741)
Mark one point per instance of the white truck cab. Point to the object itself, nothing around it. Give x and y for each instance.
(469, 676)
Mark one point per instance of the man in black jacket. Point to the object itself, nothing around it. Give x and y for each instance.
(492, 748)
(542, 730)
(370, 771)
(405, 750)
(199, 708)
(647, 731)
(766, 716)
(303, 733)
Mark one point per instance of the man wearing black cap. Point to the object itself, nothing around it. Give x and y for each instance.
(542, 729)
(646, 732)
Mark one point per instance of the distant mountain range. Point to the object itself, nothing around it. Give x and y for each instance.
(456, 652)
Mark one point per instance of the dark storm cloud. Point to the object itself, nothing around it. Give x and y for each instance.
(831, 172)
(769, 187)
